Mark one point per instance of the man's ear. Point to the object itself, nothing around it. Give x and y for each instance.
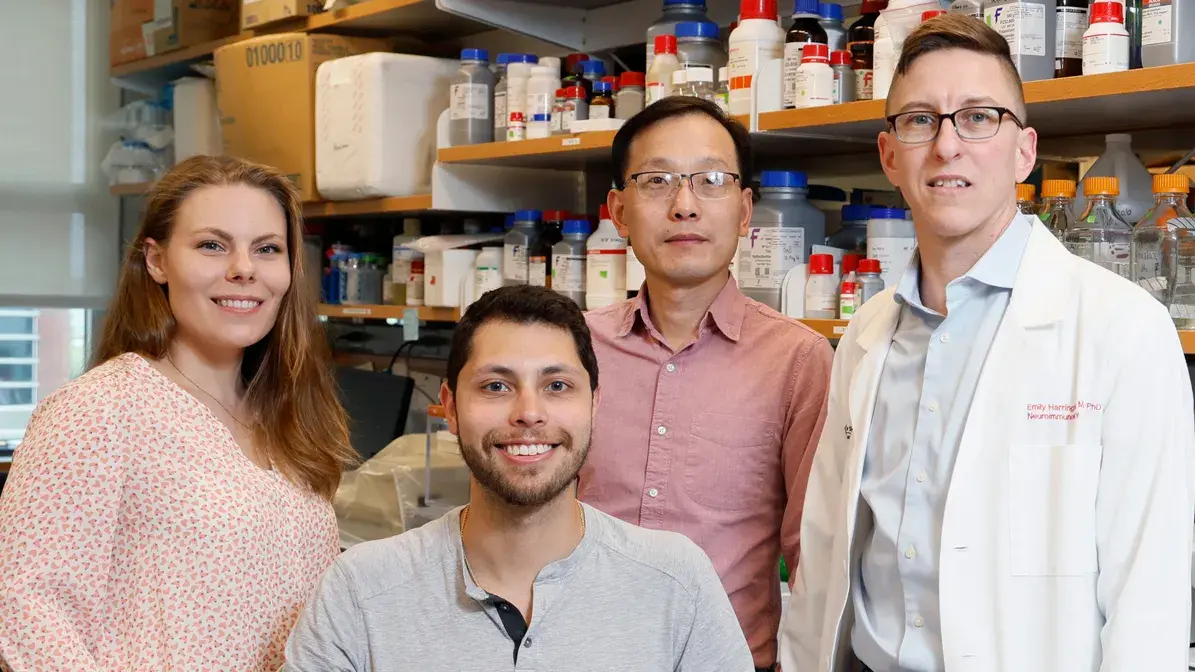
(616, 205)
(448, 401)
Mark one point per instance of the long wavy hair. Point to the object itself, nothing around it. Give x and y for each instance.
(290, 390)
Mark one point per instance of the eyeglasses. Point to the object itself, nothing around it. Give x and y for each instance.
(710, 185)
(971, 123)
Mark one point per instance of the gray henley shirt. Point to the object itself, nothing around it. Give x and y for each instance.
(626, 600)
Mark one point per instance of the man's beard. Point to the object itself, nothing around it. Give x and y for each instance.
(486, 466)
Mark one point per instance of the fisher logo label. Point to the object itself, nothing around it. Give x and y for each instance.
(1065, 412)
(848, 430)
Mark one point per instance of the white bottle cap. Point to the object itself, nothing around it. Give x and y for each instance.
(700, 75)
(551, 62)
(723, 74)
(678, 77)
(541, 71)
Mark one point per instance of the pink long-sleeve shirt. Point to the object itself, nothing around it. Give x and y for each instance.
(135, 535)
(714, 441)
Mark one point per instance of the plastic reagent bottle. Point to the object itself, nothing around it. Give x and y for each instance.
(471, 115)
(675, 11)
(541, 90)
(1025, 194)
(1136, 184)
(516, 247)
(1166, 229)
(784, 228)
(500, 98)
(968, 8)
(568, 261)
(758, 38)
(1100, 235)
(699, 83)
(870, 281)
(1068, 37)
(848, 290)
(843, 85)
(605, 264)
(659, 75)
(1057, 202)
(602, 104)
(1165, 26)
(933, 13)
(821, 292)
(592, 73)
(860, 41)
(831, 13)
(815, 78)
(1029, 28)
(631, 96)
(487, 271)
(806, 29)
(1106, 42)
(679, 79)
(891, 240)
(697, 45)
(518, 74)
(722, 96)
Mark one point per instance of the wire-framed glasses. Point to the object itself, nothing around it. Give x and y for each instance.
(710, 185)
(971, 123)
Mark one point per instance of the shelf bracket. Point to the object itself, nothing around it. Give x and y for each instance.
(561, 25)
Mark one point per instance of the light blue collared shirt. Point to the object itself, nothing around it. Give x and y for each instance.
(924, 395)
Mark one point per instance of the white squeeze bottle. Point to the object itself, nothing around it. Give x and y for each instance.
(1106, 42)
(757, 39)
(659, 77)
(605, 263)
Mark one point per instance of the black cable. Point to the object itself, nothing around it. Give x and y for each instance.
(390, 366)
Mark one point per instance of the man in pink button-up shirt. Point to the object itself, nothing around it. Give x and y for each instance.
(712, 403)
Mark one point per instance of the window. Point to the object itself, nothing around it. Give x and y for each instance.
(41, 349)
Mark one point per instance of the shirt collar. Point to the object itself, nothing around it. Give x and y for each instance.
(996, 268)
(727, 312)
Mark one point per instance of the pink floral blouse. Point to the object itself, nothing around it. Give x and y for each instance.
(135, 535)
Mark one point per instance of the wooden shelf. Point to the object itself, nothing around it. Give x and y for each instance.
(1187, 338)
(576, 152)
(427, 313)
(177, 61)
(831, 329)
(373, 206)
(137, 189)
(5, 464)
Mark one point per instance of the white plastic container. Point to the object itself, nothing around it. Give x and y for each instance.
(1136, 184)
(375, 124)
(1030, 28)
(446, 273)
(679, 79)
(891, 240)
(659, 75)
(605, 264)
(891, 28)
(814, 83)
(541, 92)
(568, 261)
(636, 273)
(1167, 33)
(1106, 42)
(675, 11)
(518, 76)
(539, 127)
(758, 38)
(196, 119)
(784, 229)
(487, 271)
(821, 289)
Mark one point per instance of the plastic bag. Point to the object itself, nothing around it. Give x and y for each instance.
(135, 162)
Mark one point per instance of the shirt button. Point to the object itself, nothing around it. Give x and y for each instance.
(670, 367)
(661, 430)
(910, 552)
(921, 476)
(653, 493)
(918, 622)
(933, 407)
(527, 643)
(945, 338)
(504, 607)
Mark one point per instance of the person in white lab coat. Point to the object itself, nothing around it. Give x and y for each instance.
(1004, 481)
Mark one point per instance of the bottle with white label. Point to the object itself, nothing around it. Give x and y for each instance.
(516, 247)
(806, 29)
(487, 271)
(659, 76)
(1165, 26)
(500, 97)
(784, 228)
(518, 75)
(605, 264)
(1161, 240)
(815, 78)
(636, 273)
(821, 290)
(675, 12)
(471, 111)
(757, 39)
(1106, 42)
(1100, 235)
(972, 8)
(1068, 37)
(891, 240)
(1030, 29)
(568, 261)
(884, 54)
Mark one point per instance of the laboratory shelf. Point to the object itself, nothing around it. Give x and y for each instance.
(1187, 338)
(173, 64)
(426, 313)
(561, 152)
(375, 206)
(5, 463)
(831, 329)
(135, 189)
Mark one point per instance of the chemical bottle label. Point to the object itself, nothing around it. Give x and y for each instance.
(415, 287)
(1022, 24)
(606, 272)
(846, 306)
(863, 84)
(599, 111)
(766, 254)
(568, 272)
(1068, 32)
(556, 121)
(1105, 53)
(836, 89)
(792, 61)
(814, 86)
(537, 271)
(722, 98)
(636, 274)
(893, 255)
(815, 301)
(514, 264)
(1157, 17)
(500, 112)
(485, 279)
(656, 91)
(470, 101)
(745, 57)
(516, 131)
(1112, 256)
(538, 103)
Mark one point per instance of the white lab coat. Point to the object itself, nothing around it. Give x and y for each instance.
(1066, 538)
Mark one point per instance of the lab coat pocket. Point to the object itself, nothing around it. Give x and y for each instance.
(728, 459)
(1051, 506)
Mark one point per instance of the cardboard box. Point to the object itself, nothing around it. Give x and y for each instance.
(142, 28)
(257, 13)
(265, 90)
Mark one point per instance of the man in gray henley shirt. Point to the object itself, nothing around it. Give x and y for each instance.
(525, 577)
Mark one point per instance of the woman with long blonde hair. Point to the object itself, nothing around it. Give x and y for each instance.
(171, 508)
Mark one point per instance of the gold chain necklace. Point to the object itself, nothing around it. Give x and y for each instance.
(465, 520)
(209, 394)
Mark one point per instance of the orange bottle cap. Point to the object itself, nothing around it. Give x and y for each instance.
(1026, 192)
(1057, 188)
(1173, 183)
(1101, 186)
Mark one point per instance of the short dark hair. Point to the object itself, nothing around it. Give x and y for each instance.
(522, 304)
(960, 31)
(671, 108)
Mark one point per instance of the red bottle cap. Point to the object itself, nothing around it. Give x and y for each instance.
(757, 9)
(873, 6)
(850, 262)
(821, 264)
(561, 93)
(665, 44)
(612, 80)
(815, 52)
(572, 63)
(848, 287)
(574, 92)
(634, 79)
(840, 58)
(604, 211)
(516, 116)
(926, 16)
(1107, 12)
(554, 215)
(869, 266)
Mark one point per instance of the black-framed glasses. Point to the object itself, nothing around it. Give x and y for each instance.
(971, 123)
(710, 185)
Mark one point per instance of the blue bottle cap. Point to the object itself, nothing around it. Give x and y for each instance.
(806, 7)
(856, 213)
(509, 223)
(528, 215)
(697, 29)
(771, 179)
(886, 213)
(475, 55)
(601, 87)
(521, 58)
(503, 59)
(593, 67)
(830, 10)
(576, 226)
(693, 3)
(539, 117)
